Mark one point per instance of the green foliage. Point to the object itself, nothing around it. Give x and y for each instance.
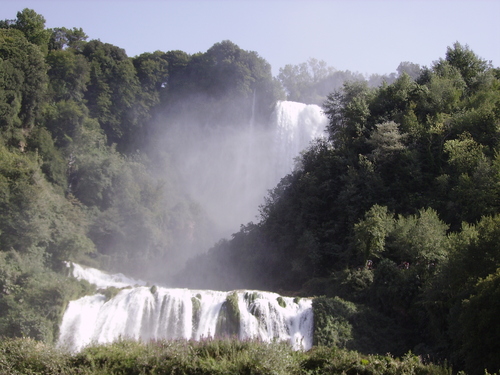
(475, 252)
(228, 321)
(395, 289)
(467, 62)
(323, 360)
(331, 321)
(479, 327)
(347, 111)
(281, 302)
(418, 239)
(343, 324)
(112, 91)
(63, 38)
(53, 164)
(35, 216)
(69, 75)
(23, 80)
(33, 298)
(32, 25)
(226, 85)
(26, 356)
(310, 82)
(464, 153)
(351, 284)
(153, 74)
(386, 141)
(371, 233)
(65, 120)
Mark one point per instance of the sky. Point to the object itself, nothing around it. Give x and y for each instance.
(364, 36)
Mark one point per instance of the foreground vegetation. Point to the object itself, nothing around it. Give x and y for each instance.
(225, 356)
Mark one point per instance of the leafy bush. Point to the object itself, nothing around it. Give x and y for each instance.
(225, 356)
(331, 321)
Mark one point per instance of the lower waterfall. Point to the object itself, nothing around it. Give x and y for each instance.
(153, 313)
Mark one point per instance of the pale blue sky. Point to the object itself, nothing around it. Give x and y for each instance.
(365, 36)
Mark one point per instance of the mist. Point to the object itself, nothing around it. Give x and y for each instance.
(227, 164)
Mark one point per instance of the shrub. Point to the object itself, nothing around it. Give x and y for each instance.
(331, 321)
(213, 356)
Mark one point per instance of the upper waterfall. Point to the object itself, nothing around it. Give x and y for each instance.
(102, 279)
(295, 126)
(229, 169)
(152, 313)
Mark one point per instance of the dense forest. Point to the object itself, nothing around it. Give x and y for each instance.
(395, 216)
(392, 220)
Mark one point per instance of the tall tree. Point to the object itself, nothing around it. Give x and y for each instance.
(32, 25)
(112, 91)
(23, 80)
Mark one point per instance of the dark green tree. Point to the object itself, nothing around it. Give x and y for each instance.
(23, 81)
(69, 75)
(32, 25)
(63, 38)
(370, 233)
(467, 62)
(480, 349)
(112, 91)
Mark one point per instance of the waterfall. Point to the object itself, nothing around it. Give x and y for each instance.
(228, 170)
(151, 313)
(295, 126)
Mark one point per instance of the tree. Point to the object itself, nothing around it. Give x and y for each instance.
(32, 25)
(418, 239)
(370, 233)
(64, 120)
(479, 334)
(310, 82)
(347, 112)
(52, 161)
(63, 38)
(466, 61)
(69, 75)
(33, 215)
(113, 90)
(446, 88)
(464, 153)
(226, 85)
(413, 70)
(23, 82)
(386, 140)
(153, 74)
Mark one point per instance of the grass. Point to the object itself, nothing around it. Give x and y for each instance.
(211, 356)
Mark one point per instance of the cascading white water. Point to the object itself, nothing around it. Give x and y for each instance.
(296, 125)
(229, 169)
(150, 313)
(102, 279)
